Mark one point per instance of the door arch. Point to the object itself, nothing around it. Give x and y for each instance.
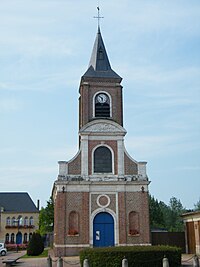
(19, 238)
(103, 230)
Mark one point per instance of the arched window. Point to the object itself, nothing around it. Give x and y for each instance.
(102, 160)
(102, 105)
(73, 223)
(7, 238)
(12, 238)
(31, 221)
(133, 223)
(30, 236)
(25, 238)
(26, 221)
(8, 221)
(19, 220)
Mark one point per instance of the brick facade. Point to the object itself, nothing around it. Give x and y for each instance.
(130, 167)
(84, 196)
(74, 166)
(67, 202)
(87, 204)
(87, 92)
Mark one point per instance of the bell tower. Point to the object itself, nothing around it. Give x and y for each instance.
(101, 194)
(100, 88)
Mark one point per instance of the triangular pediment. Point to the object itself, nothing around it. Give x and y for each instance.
(102, 126)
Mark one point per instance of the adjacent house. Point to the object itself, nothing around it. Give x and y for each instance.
(192, 231)
(19, 218)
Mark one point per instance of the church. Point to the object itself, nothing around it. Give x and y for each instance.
(101, 194)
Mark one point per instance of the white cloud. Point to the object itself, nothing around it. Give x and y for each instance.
(189, 168)
(34, 46)
(154, 16)
(48, 155)
(10, 104)
(26, 79)
(157, 75)
(59, 154)
(157, 146)
(21, 171)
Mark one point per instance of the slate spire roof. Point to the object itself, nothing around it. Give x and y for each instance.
(17, 202)
(99, 65)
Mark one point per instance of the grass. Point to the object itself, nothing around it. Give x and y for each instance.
(43, 255)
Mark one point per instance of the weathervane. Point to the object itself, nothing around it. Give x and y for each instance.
(98, 16)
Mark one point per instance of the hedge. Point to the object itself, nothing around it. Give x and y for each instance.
(137, 256)
(13, 247)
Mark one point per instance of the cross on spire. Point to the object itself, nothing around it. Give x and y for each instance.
(98, 16)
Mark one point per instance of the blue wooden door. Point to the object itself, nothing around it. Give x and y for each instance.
(19, 238)
(103, 230)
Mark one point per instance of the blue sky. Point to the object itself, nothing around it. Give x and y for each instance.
(45, 47)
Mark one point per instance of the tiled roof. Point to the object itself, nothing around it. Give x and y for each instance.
(17, 202)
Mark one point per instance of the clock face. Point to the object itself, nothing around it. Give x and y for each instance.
(102, 98)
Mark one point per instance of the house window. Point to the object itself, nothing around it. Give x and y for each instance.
(31, 221)
(8, 221)
(102, 105)
(12, 238)
(7, 238)
(25, 238)
(19, 220)
(133, 223)
(26, 221)
(73, 223)
(30, 236)
(102, 160)
(13, 221)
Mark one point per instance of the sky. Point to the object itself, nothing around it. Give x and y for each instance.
(45, 47)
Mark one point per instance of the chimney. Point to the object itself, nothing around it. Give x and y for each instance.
(38, 204)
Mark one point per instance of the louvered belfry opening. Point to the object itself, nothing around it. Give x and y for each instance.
(102, 109)
(102, 160)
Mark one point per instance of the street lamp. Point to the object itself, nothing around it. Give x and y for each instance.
(19, 222)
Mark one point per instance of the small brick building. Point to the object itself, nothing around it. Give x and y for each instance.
(101, 195)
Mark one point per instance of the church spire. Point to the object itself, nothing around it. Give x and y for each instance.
(99, 58)
(99, 65)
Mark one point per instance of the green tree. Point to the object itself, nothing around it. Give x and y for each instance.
(156, 214)
(176, 209)
(197, 205)
(46, 218)
(166, 216)
(35, 245)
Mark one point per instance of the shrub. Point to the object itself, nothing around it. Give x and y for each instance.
(14, 247)
(35, 245)
(137, 256)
